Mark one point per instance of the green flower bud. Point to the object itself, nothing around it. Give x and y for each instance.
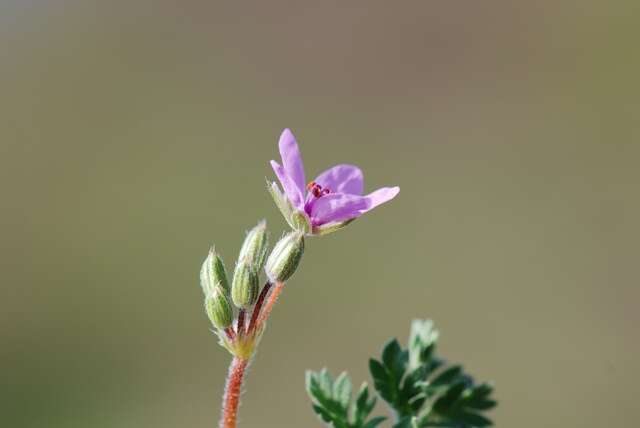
(285, 257)
(213, 275)
(244, 289)
(218, 309)
(254, 248)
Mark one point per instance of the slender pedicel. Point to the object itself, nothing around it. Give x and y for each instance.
(258, 306)
(240, 323)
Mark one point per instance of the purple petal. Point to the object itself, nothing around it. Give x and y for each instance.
(340, 206)
(291, 159)
(380, 196)
(337, 207)
(342, 179)
(290, 188)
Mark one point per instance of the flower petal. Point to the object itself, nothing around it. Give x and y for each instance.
(342, 179)
(337, 207)
(291, 159)
(380, 196)
(290, 188)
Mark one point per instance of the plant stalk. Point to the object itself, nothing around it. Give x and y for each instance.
(238, 367)
(232, 390)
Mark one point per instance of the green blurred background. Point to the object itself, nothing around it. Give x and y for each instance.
(135, 134)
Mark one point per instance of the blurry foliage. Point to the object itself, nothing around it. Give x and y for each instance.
(420, 387)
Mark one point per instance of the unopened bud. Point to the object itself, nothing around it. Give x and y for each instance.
(244, 289)
(254, 248)
(218, 309)
(285, 257)
(213, 275)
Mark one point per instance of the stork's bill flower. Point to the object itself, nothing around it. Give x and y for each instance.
(330, 201)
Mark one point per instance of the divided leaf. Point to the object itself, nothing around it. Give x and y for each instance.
(409, 381)
(463, 403)
(331, 400)
(421, 389)
(388, 375)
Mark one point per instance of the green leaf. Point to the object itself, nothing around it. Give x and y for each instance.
(473, 419)
(422, 341)
(374, 422)
(395, 359)
(331, 400)
(342, 389)
(447, 376)
(406, 422)
(388, 378)
(418, 385)
(482, 404)
(463, 402)
(408, 381)
(363, 405)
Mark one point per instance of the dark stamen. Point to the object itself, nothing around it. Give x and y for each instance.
(316, 190)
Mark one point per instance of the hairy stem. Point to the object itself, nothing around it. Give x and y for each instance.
(231, 400)
(272, 301)
(258, 307)
(240, 325)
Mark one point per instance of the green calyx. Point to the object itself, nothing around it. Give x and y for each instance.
(219, 310)
(285, 257)
(213, 275)
(244, 289)
(254, 248)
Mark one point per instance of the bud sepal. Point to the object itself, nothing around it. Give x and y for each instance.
(328, 228)
(255, 246)
(213, 274)
(298, 220)
(219, 310)
(285, 257)
(244, 289)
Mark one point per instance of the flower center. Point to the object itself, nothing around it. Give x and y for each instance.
(316, 190)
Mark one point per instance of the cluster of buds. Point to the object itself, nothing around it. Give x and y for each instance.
(245, 293)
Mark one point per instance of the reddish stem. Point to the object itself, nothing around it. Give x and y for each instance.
(232, 393)
(256, 309)
(230, 333)
(240, 326)
(272, 301)
(231, 400)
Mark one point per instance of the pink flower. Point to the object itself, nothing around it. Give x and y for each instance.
(329, 202)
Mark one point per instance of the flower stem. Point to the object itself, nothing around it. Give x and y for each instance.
(240, 325)
(272, 301)
(258, 307)
(231, 400)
